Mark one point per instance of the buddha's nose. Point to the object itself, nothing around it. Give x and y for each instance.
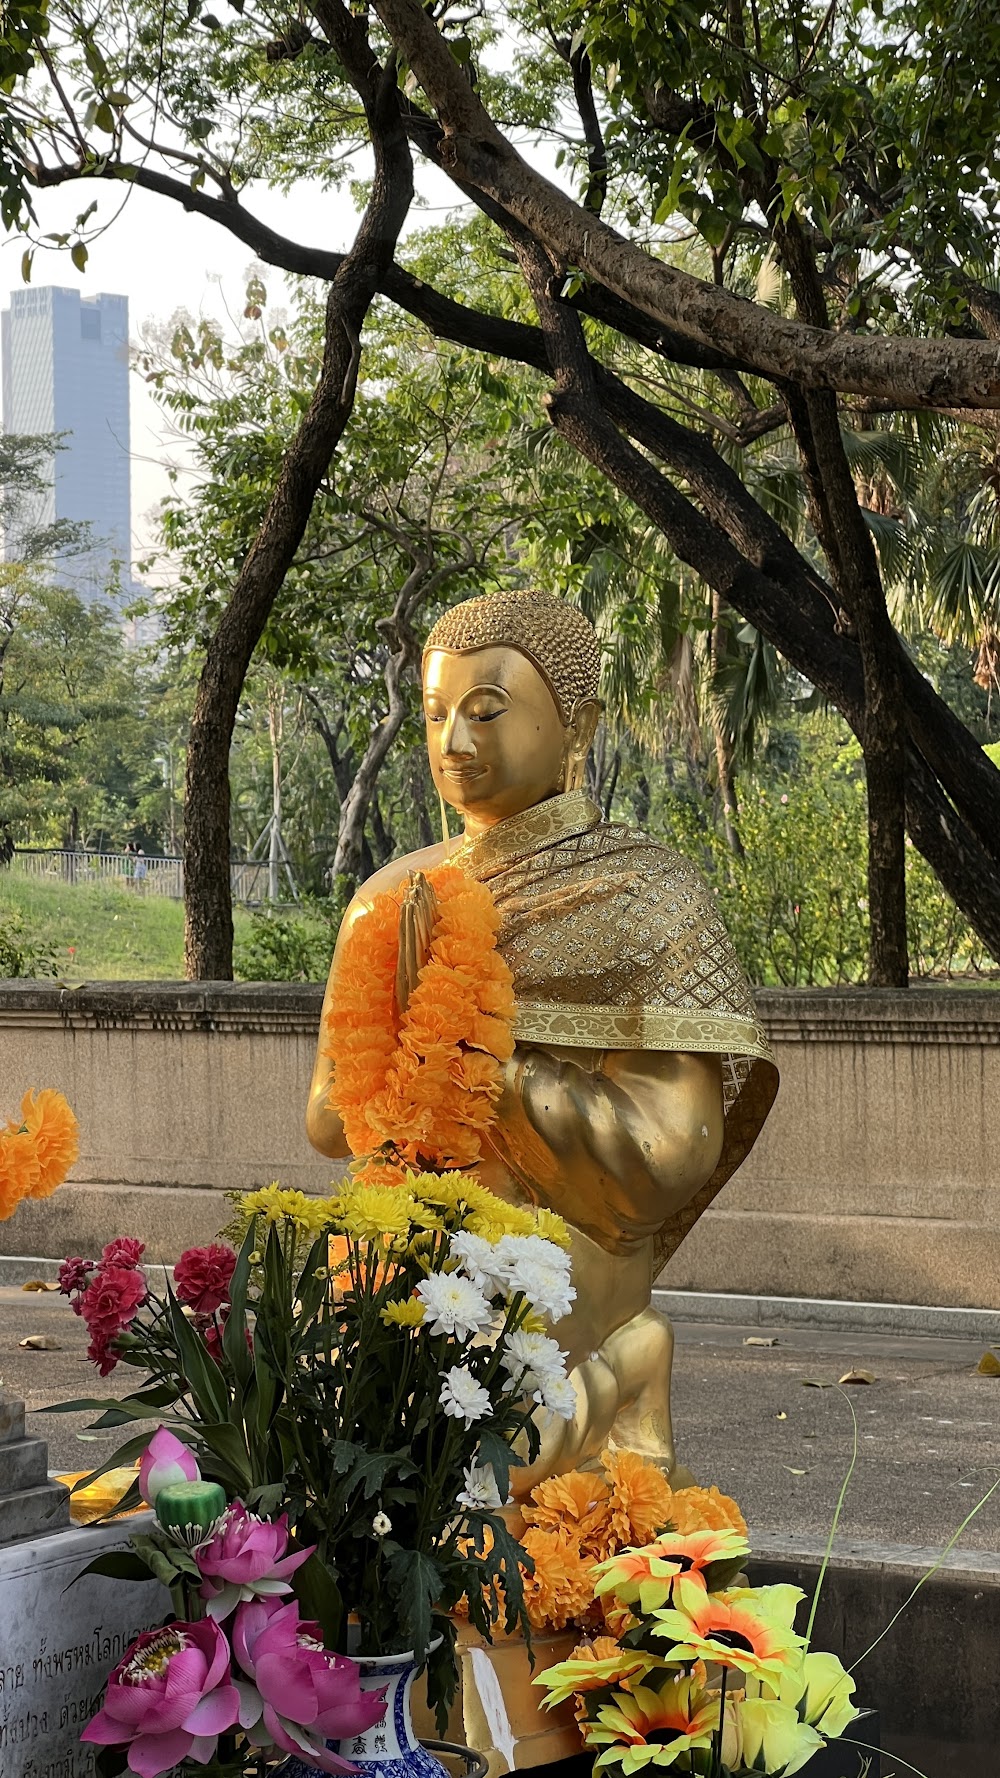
(456, 740)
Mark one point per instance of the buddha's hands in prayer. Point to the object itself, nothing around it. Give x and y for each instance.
(416, 925)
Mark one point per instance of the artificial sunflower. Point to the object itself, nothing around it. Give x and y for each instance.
(731, 1632)
(763, 1735)
(594, 1666)
(649, 1726)
(704, 1560)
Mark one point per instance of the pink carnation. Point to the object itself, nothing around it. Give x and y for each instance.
(246, 1557)
(124, 1250)
(302, 1694)
(109, 1305)
(74, 1276)
(170, 1699)
(202, 1277)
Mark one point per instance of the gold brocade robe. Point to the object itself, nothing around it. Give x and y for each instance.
(615, 943)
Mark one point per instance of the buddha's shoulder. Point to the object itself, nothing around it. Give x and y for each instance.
(618, 841)
(392, 874)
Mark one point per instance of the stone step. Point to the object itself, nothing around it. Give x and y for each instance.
(31, 1511)
(11, 1418)
(24, 1463)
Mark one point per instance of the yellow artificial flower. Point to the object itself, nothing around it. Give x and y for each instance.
(496, 1218)
(276, 1204)
(767, 1736)
(409, 1313)
(821, 1690)
(731, 1630)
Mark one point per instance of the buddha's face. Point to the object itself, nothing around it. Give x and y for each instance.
(495, 736)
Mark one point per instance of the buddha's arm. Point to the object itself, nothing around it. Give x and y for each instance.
(615, 1141)
(323, 1126)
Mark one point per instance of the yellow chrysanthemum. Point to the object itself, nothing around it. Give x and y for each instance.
(552, 1228)
(641, 1497)
(276, 1204)
(495, 1219)
(409, 1313)
(561, 1587)
(373, 1212)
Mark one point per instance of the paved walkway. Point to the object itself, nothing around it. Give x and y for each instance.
(929, 1425)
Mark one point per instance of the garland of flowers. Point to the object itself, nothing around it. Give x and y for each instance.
(424, 1085)
(38, 1150)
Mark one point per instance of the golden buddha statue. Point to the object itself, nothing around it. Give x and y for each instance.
(641, 1076)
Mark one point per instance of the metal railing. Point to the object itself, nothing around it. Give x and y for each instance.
(143, 875)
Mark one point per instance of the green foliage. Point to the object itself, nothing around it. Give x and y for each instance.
(284, 944)
(99, 932)
(796, 905)
(22, 952)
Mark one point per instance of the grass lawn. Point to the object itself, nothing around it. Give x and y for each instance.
(101, 933)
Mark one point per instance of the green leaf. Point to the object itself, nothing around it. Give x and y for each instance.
(226, 1442)
(117, 1565)
(414, 1581)
(207, 1384)
(315, 1587)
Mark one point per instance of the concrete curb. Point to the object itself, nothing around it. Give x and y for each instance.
(17, 1270)
(791, 1311)
(905, 1558)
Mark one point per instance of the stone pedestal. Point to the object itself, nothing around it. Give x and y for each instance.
(30, 1504)
(61, 1637)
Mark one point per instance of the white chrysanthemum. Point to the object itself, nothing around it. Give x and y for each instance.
(533, 1353)
(477, 1259)
(453, 1305)
(558, 1394)
(480, 1493)
(540, 1270)
(462, 1397)
(381, 1524)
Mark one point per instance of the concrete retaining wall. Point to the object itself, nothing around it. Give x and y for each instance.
(877, 1177)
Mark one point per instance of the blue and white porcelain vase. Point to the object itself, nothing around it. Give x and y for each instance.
(390, 1749)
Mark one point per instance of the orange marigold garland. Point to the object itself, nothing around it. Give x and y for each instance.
(37, 1152)
(425, 1085)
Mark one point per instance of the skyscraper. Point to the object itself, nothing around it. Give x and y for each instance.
(65, 370)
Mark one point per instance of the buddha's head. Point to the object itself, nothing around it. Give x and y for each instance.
(510, 703)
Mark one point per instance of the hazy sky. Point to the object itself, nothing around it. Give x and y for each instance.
(164, 259)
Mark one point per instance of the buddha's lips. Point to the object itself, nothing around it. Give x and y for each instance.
(463, 772)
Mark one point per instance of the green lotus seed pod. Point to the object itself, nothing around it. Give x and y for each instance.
(190, 1511)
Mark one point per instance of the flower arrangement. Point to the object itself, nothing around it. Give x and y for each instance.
(700, 1673)
(575, 1521)
(422, 1085)
(37, 1150)
(367, 1361)
(237, 1680)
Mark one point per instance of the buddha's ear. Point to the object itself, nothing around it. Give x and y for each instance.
(584, 718)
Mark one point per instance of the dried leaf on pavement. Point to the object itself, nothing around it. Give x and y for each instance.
(989, 1365)
(40, 1343)
(759, 1340)
(857, 1377)
(38, 1284)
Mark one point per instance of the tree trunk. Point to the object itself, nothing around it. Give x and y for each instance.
(208, 897)
(723, 757)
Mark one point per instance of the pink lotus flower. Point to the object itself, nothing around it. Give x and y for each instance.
(202, 1277)
(165, 1461)
(302, 1694)
(169, 1699)
(246, 1559)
